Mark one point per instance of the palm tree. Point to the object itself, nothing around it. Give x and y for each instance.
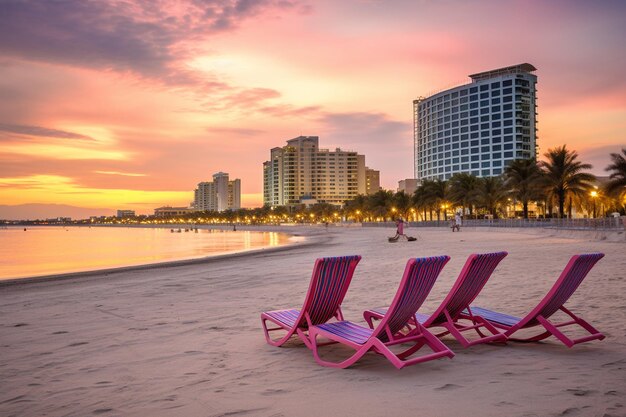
(420, 200)
(380, 202)
(490, 194)
(616, 187)
(356, 207)
(564, 175)
(523, 177)
(402, 202)
(437, 194)
(462, 188)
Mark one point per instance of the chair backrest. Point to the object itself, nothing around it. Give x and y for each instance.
(329, 284)
(419, 277)
(576, 270)
(473, 277)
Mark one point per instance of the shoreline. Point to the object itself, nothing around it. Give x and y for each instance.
(309, 239)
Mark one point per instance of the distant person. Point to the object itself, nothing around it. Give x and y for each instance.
(458, 221)
(399, 230)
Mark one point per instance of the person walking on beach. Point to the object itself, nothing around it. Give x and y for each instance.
(457, 222)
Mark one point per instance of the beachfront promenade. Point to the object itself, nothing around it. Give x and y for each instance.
(186, 340)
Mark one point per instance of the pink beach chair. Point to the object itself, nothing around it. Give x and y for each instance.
(329, 284)
(571, 277)
(417, 281)
(473, 277)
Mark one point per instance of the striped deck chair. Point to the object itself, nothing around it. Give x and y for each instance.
(417, 281)
(473, 277)
(329, 284)
(571, 277)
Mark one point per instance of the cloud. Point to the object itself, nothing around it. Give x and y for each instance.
(142, 37)
(124, 174)
(240, 131)
(363, 127)
(41, 132)
(386, 143)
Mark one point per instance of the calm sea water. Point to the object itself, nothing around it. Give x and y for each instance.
(55, 250)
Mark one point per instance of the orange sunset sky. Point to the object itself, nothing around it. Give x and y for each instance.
(129, 104)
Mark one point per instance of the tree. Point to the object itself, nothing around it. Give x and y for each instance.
(616, 187)
(462, 190)
(437, 194)
(490, 194)
(402, 202)
(356, 207)
(380, 203)
(564, 175)
(420, 200)
(522, 178)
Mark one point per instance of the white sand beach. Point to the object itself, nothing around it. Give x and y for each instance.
(186, 340)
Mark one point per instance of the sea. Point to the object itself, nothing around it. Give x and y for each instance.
(35, 251)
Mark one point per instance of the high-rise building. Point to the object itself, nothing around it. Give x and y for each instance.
(303, 171)
(477, 128)
(218, 195)
(372, 181)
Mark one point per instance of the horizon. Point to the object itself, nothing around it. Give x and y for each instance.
(130, 106)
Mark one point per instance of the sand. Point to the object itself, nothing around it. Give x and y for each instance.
(187, 341)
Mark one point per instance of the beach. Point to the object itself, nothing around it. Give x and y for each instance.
(186, 340)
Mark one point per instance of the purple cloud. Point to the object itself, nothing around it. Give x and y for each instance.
(142, 37)
(41, 132)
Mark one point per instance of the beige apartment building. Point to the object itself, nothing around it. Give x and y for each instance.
(218, 195)
(302, 171)
(372, 181)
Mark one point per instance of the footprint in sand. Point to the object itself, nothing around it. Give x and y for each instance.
(579, 392)
(268, 392)
(448, 387)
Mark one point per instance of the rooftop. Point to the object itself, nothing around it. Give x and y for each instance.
(525, 67)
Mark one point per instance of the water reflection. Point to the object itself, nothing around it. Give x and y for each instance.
(54, 250)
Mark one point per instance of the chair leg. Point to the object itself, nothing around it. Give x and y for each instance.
(455, 330)
(553, 330)
(313, 333)
(275, 342)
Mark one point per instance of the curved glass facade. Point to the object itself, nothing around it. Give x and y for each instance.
(477, 128)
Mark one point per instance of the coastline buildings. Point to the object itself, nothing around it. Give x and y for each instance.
(408, 186)
(125, 213)
(301, 171)
(168, 211)
(477, 128)
(218, 195)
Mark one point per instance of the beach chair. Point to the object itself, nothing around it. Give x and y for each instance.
(417, 281)
(449, 315)
(571, 277)
(329, 284)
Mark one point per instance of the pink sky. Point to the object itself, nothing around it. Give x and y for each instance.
(118, 105)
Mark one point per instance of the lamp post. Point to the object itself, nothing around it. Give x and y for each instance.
(594, 196)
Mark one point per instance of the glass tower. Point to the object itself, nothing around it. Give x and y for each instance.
(477, 128)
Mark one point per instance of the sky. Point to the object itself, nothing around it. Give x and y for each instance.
(129, 104)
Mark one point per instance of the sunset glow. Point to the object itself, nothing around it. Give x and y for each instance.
(125, 105)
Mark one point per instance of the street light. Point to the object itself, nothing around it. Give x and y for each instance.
(594, 195)
(445, 211)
